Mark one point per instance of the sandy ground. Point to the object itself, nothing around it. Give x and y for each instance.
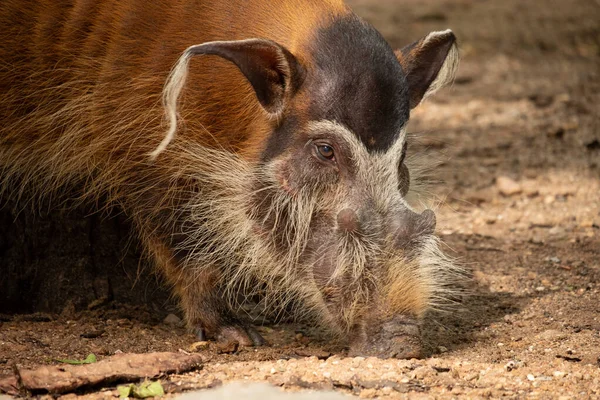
(517, 139)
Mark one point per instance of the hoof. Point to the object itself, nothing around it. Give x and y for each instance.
(244, 335)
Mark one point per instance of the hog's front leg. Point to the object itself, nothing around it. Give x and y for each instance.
(206, 312)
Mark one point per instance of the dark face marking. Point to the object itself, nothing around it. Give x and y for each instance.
(358, 82)
(281, 137)
(353, 78)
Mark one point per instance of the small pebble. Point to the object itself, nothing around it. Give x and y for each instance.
(507, 186)
(536, 240)
(368, 394)
(551, 334)
(472, 376)
(531, 275)
(549, 199)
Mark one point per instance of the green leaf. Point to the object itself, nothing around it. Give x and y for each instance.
(90, 359)
(143, 390)
(125, 390)
(148, 389)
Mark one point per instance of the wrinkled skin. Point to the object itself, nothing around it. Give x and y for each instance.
(360, 207)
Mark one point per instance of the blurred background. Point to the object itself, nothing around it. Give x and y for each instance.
(516, 141)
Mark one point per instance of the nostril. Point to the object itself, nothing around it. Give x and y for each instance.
(428, 222)
(348, 220)
(409, 227)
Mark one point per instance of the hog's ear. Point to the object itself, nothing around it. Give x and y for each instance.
(269, 67)
(429, 64)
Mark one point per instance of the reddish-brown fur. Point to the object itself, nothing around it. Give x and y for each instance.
(80, 105)
(115, 44)
(81, 82)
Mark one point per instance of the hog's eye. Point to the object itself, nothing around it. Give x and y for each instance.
(325, 152)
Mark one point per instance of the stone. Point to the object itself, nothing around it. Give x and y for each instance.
(549, 199)
(258, 391)
(507, 186)
(551, 334)
(481, 278)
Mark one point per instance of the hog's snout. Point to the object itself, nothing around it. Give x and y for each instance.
(396, 338)
(405, 226)
(408, 226)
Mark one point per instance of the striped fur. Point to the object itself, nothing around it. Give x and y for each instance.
(103, 97)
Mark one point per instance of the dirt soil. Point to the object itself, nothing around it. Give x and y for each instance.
(517, 140)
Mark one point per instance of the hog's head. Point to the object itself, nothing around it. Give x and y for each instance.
(324, 209)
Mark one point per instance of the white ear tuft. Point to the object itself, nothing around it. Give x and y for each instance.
(429, 64)
(170, 96)
(447, 72)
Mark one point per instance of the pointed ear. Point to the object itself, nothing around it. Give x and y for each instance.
(270, 68)
(429, 64)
